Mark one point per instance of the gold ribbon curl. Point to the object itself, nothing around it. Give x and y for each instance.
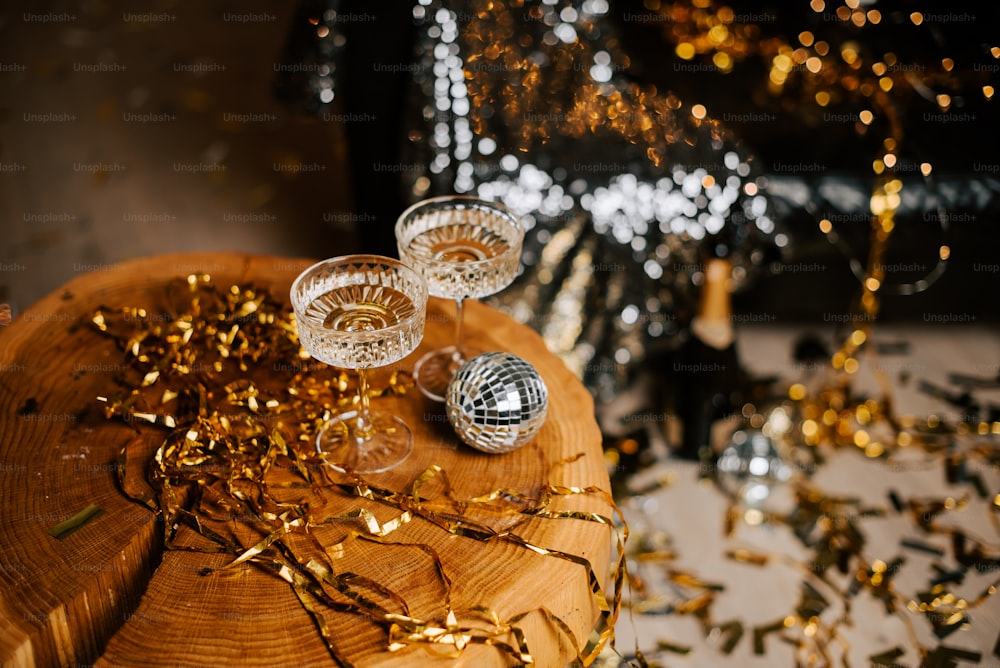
(222, 370)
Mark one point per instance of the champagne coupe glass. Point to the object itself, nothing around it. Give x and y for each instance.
(466, 248)
(360, 312)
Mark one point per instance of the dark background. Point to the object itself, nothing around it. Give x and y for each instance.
(124, 136)
(963, 193)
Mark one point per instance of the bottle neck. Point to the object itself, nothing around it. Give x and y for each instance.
(713, 325)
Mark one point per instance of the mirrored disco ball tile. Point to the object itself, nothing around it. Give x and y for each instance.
(497, 402)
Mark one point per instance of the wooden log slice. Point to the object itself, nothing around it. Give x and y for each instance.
(109, 593)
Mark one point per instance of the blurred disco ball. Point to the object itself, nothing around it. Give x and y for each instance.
(750, 466)
(496, 402)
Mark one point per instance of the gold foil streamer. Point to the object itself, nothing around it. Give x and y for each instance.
(760, 633)
(731, 633)
(465, 526)
(222, 371)
(828, 526)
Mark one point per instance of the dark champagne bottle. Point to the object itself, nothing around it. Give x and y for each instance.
(706, 368)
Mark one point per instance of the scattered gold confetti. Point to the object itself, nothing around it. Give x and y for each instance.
(222, 370)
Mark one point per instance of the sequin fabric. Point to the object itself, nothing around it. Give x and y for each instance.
(623, 188)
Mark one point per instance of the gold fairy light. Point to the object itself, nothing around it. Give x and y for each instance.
(691, 27)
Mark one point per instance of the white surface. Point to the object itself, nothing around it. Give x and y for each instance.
(687, 517)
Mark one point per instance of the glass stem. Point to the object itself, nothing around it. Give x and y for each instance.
(363, 425)
(459, 329)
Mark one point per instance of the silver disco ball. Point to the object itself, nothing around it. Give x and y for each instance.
(497, 402)
(750, 466)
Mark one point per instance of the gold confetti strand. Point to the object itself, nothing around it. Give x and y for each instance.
(121, 469)
(180, 515)
(172, 509)
(568, 514)
(210, 497)
(304, 592)
(431, 472)
(408, 631)
(760, 633)
(733, 632)
(122, 409)
(278, 447)
(262, 545)
(621, 569)
(746, 556)
(607, 613)
(808, 574)
(620, 573)
(925, 511)
(301, 465)
(561, 626)
(947, 657)
(695, 603)
(519, 651)
(285, 566)
(166, 497)
(757, 558)
(530, 507)
(343, 583)
(822, 637)
(370, 522)
(439, 569)
(986, 594)
(405, 631)
(460, 507)
(570, 490)
(655, 556)
(213, 438)
(816, 634)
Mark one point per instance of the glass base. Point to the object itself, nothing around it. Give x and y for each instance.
(434, 371)
(382, 444)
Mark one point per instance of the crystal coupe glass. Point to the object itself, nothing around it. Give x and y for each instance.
(466, 248)
(361, 312)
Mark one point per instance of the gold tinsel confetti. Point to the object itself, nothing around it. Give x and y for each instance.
(220, 368)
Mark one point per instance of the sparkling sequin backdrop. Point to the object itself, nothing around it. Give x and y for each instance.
(623, 187)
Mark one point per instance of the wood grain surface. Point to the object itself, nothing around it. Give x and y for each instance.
(108, 593)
